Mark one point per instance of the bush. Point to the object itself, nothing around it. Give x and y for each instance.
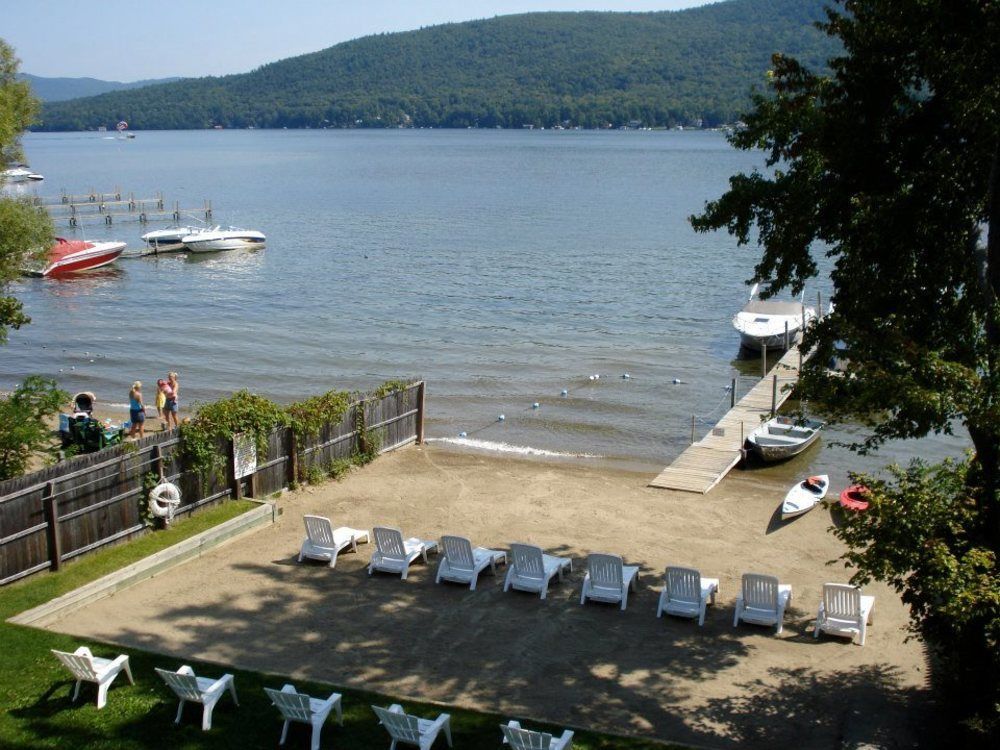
(23, 423)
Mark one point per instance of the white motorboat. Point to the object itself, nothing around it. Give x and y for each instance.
(172, 239)
(18, 173)
(781, 437)
(765, 322)
(218, 239)
(804, 496)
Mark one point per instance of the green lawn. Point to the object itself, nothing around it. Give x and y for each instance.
(35, 690)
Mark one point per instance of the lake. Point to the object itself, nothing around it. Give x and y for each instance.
(501, 266)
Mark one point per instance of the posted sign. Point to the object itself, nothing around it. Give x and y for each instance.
(244, 455)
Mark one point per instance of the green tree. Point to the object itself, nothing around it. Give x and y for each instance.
(24, 228)
(889, 166)
(24, 428)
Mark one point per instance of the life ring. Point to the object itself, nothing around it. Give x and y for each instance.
(163, 499)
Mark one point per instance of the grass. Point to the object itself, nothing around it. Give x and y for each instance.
(35, 690)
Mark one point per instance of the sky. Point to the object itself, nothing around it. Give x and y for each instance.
(135, 40)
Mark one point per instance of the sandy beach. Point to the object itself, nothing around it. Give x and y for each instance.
(252, 605)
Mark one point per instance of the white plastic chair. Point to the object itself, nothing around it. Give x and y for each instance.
(844, 611)
(608, 579)
(190, 687)
(296, 706)
(462, 563)
(686, 594)
(323, 542)
(525, 739)
(86, 667)
(413, 730)
(393, 554)
(531, 569)
(762, 601)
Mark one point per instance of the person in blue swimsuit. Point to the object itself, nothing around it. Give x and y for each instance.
(136, 411)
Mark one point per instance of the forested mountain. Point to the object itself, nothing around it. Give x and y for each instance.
(588, 69)
(61, 89)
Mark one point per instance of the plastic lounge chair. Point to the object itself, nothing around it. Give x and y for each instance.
(608, 579)
(204, 690)
(462, 563)
(393, 554)
(296, 706)
(323, 542)
(844, 611)
(411, 729)
(86, 667)
(525, 739)
(531, 569)
(686, 593)
(762, 601)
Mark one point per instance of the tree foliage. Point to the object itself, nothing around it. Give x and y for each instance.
(24, 428)
(889, 166)
(542, 69)
(24, 228)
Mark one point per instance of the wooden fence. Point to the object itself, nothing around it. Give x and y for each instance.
(89, 501)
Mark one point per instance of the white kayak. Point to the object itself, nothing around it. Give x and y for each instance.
(804, 496)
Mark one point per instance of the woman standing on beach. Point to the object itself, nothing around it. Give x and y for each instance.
(136, 410)
(161, 402)
(171, 391)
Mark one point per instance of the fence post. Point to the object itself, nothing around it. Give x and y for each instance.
(52, 525)
(236, 484)
(420, 412)
(158, 458)
(293, 458)
(774, 396)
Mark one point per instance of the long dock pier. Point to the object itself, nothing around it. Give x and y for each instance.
(113, 207)
(704, 463)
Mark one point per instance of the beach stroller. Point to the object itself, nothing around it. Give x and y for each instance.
(84, 402)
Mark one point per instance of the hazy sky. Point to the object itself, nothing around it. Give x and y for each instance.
(137, 39)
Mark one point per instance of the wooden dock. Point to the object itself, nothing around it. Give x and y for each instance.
(703, 464)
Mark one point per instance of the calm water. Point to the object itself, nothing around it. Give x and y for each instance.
(503, 267)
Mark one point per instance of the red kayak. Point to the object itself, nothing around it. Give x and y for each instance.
(854, 498)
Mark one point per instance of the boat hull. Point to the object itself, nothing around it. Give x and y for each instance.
(214, 246)
(99, 254)
(804, 496)
(779, 439)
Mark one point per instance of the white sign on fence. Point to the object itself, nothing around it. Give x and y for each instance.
(244, 455)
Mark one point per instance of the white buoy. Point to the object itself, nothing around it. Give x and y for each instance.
(626, 376)
(564, 392)
(463, 434)
(591, 378)
(535, 405)
(677, 381)
(501, 418)
(597, 376)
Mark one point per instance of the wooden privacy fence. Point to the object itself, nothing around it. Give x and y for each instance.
(89, 501)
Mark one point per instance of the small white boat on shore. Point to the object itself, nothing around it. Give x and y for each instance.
(780, 438)
(215, 240)
(764, 322)
(804, 496)
(19, 173)
(171, 240)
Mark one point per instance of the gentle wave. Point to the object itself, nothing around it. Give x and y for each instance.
(521, 450)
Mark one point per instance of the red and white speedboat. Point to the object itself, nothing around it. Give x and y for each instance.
(68, 256)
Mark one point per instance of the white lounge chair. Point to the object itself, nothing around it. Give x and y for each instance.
(844, 611)
(296, 706)
(393, 554)
(608, 579)
(86, 667)
(190, 687)
(762, 601)
(323, 542)
(686, 593)
(411, 729)
(531, 569)
(525, 739)
(462, 563)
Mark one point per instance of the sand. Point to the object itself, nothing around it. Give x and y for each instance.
(250, 604)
